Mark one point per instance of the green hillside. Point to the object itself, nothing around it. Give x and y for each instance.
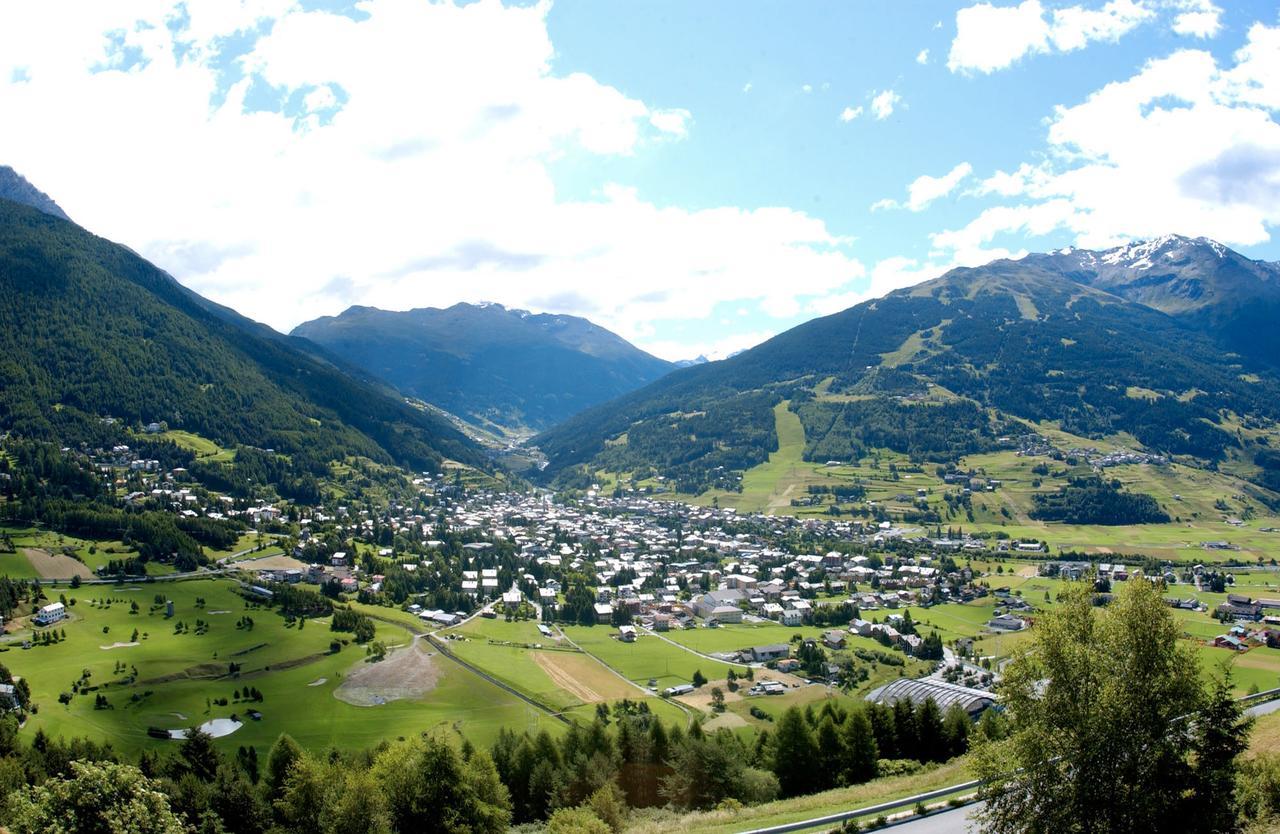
(90, 331)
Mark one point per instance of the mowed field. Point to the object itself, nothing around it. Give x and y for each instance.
(181, 676)
(549, 670)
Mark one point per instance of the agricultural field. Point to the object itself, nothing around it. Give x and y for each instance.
(322, 699)
(42, 554)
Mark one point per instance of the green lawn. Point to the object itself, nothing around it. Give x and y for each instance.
(281, 662)
(648, 657)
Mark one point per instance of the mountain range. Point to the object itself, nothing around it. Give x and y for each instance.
(508, 371)
(94, 338)
(1149, 339)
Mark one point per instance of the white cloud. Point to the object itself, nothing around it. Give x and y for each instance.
(1197, 18)
(415, 169)
(1185, 145)
(990, 38)
(922, 57)
(807, 88)
(723, 348)
(674, 122)
(746, 88)
(888, 275)
(850, 113)
(924, 189)
(882, 104)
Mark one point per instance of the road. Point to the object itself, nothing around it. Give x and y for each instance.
(955, 821)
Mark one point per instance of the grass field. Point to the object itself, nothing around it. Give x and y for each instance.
(178, 674)
(647, 658)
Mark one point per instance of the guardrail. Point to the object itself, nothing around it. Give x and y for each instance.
(870, 810)
(895, 804)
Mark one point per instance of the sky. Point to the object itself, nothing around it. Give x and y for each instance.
(696, 176)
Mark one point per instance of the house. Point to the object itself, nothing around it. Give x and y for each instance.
(706, 605)
(627, 633)
(1239, 607)
(1006, 622)
(50, 614)
(833, 639)
(1226, 641)
(791, 617)
(764, 654)
(604, 612)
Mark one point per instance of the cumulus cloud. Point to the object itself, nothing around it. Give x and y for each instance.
(990, 38)
(924, 189)
(850, 113)
(922, 57)
(402, 159)
(1197, 18)
(1185, 144)
(883, 103)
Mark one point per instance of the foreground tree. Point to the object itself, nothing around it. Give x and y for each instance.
(99, 798)
(1106, 731)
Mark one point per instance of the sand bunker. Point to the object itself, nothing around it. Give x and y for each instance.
(319, 682)
(223, 611)
(119, 646)
(407, 674)
(217, 728)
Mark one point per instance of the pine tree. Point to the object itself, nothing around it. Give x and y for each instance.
(860, 752)
(795, 756)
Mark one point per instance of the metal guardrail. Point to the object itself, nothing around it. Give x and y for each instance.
(895, 804)
(870, 810)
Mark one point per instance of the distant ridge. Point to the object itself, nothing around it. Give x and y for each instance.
(15, 187)
(502, 369)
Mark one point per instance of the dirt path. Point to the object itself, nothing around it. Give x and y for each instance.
(59, 566)
(564, 680)
(777, 502)
(407, 674)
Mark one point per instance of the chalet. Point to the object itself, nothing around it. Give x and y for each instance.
(833, 639)
(627, 633)
(1227, 641)
(604, 613)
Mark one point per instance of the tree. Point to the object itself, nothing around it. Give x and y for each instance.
(1100, 737)
(830, 753)
(795, 756)
(98, 798)
(698, 678)
(576, 821)
(1221, 732)
(955, 730)
(860, 752)
(279, 761)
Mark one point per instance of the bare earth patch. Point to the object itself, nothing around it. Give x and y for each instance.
(583, 677)
(279, 562)
(407, 674)
(319, 682)
(562, 679)
(727, 720)
(120, 645)
(55, 566)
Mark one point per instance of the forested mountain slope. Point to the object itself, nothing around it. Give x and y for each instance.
(501, 368)
(89, 330)
(938, 370)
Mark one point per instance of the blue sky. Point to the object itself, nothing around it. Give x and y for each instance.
(696, 176)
